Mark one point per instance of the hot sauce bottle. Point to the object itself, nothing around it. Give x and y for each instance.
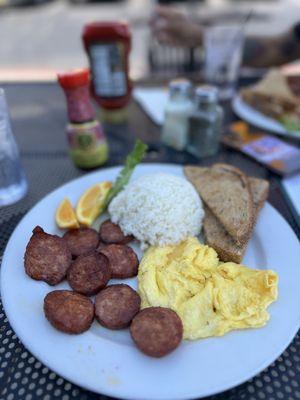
(87, 142)
(108, 45)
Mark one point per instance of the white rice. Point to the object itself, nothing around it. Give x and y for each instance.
(158, 209)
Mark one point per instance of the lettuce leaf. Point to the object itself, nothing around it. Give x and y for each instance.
(291, 124)
(132, 160)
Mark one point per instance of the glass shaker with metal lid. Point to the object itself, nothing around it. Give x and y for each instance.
(205, 123)
(177, 112)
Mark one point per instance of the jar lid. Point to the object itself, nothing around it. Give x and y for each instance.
(180, 85)
(206, 94)
(74, 79)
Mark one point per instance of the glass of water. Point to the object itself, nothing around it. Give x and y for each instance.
(223, 46)
(13, 184)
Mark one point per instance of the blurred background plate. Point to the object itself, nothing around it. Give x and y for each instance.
(258, 119)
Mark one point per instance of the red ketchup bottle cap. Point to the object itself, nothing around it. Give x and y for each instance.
(74, 79)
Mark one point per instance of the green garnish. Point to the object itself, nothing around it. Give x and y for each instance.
(291, 124)
(132, 160)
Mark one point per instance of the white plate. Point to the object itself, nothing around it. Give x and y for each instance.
(260, 120)
(107, 362)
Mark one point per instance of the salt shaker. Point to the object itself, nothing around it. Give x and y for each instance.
(205, 123)
(177, 111)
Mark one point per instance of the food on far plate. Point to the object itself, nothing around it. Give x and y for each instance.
(47, 257)
(122, 260)
(65, 216)
(89, 273)
(90, 204)
(158, 209)
(216, 235)
(156, 331)
(112, 233)
(81, 241)
(274, 97)
(226, 191)
(210, 297)
(68, 311)
(116, 305)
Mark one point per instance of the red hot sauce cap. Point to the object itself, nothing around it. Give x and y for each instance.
(74, 79)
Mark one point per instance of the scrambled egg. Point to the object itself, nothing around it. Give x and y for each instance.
(210, 297)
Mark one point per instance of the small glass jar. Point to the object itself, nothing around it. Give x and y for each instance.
(177, 112)
(205, 123)
(88, 147)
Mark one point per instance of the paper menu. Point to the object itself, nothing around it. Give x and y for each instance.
(277, 155)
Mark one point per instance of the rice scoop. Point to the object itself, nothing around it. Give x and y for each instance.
(210, 297)
(158, 209)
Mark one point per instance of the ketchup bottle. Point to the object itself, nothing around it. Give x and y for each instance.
(87, 142)
(108, 45)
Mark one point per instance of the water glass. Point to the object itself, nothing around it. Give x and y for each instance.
(223, 47)
(13, 184)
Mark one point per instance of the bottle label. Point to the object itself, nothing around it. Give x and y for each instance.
(108, 66)
(88, 147)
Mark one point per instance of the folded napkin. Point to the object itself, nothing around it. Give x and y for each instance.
(153, 102)
(291, 188)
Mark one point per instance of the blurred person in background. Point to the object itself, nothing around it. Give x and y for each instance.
(174, 28)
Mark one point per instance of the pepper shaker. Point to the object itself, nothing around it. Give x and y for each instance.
(205, 123)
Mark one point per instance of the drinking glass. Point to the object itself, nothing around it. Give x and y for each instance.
(223, 47)
(13, 184)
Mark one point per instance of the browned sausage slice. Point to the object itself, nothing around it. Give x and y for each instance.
(101, 246)
(47, 257)
(116, 305)
(81, 241)
(89, 273)
(122, 259)
(112, 233)
(68, 311)
(156, 331)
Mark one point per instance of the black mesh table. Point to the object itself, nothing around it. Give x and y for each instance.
(38, 116)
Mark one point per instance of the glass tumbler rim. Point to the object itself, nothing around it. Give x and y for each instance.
(229, 26)
(219, 33)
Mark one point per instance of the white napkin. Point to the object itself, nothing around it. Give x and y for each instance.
(291, 186)
(153, 101)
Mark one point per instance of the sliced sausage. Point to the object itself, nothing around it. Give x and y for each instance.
(68, 311)
(81, 241)
(122, 259)
(112, 233)
(89, 273)
(101, 246)
(156, 331)
(116, 305)
(47, 257)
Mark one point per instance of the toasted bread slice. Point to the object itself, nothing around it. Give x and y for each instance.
(217, 237)
(226, 192)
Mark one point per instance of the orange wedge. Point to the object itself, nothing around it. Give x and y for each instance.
(89, 206)
(65, 216)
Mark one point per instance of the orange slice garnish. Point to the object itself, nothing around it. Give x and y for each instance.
(89, 206)
(65, 216)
